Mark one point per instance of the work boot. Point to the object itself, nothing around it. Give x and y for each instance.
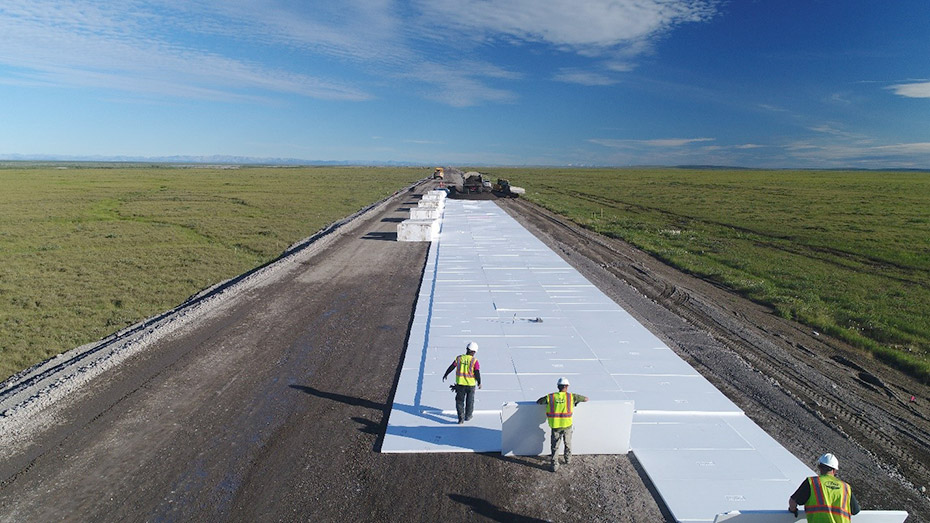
(554, 466)
(568, 458)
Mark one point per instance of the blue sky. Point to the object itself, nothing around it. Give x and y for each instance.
(774, 83)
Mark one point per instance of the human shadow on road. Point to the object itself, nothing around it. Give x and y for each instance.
(368, 426)
(383, 236)
(489, 510)
(342, 398)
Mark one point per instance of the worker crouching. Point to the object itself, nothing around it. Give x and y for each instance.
(559, 408)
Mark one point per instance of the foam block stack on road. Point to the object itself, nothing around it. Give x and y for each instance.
(424, 221)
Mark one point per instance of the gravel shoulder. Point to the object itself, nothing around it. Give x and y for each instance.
(271, 403)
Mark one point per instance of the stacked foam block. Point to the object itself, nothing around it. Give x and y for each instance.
(423, 224)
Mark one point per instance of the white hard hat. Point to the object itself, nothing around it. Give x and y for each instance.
(830, 461)
(563, 381)
(472, 346)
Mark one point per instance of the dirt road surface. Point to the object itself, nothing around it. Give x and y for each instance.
(272, 406)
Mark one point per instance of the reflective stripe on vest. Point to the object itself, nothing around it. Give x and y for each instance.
(559, 411)
(829, 500)
(465, 370)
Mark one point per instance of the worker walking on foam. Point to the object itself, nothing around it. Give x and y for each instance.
(560, 406)
(467, 376)
(825, 498)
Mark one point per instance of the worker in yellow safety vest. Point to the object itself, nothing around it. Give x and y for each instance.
(467, 377)
(826, 498)
(559, 409)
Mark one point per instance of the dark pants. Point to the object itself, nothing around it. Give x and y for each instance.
(464, 401)
(558, 435)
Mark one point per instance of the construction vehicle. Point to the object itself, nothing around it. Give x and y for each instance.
(503, 188)
(474, 182)
(477, 186)
(439, 173)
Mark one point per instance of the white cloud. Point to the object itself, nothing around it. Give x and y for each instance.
(461, 85)
(905, 148)
(424, 142)
(801, 146)
(912, 90)
(620, 66)
(826, 129)
(772, 108)
(569, 24)
(359, 30)
(662, 142)
(123, 45)
(832, 130)
(907, 155)
(675, 142)
(220, 49)
(841, 98)
(576, 76)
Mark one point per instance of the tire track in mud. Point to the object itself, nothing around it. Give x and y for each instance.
(816, 372)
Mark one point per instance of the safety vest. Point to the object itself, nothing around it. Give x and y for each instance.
(829, 500)
(559, 412)
(465, 370)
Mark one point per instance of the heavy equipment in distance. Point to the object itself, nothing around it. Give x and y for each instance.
(478, 186)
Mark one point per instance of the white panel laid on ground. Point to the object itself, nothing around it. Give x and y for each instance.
(525, 431)
(535, 318)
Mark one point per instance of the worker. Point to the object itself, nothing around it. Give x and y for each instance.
(825, 497)
(467, 376)
(560, 406)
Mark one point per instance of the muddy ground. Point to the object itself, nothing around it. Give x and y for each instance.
(273, 403)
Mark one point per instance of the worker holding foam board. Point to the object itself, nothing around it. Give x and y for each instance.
(467, 376)
(560, 406)
(826, 499)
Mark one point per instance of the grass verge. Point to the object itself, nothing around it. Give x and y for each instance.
(847, 253)
(87, 251)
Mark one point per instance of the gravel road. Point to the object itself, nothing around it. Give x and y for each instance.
(270, 401)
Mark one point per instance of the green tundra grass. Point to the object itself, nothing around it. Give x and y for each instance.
(87, 251)
(847, 253)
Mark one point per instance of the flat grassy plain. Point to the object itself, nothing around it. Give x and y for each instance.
(88, 250)
(847, 253)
